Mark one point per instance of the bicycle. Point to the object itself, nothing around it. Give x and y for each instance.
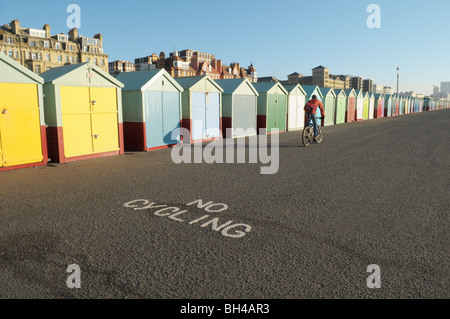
(308, 132)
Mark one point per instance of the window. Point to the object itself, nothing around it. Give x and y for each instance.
(9, 41)
(28, 55)
(16, 54)
(87, 59)
(60, 58)
(46, 44)
(34, 56)
(37, 69)
(95, 61)
(71, 59)
(32, 43)
(58, 46)
(47, 57)
(10, 53)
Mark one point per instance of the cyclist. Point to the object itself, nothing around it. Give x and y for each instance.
(311, 108)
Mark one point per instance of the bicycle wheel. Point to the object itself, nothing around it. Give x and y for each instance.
(319, 137)
(306, 138)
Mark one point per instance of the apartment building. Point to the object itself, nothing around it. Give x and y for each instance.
(120, 66)
(39, 51)
(195, 63)
(357, 83)
(368, 85)
(321, 77)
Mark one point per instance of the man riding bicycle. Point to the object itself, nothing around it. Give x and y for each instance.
(311, 108)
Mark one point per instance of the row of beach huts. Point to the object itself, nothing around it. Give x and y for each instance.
(78, 111)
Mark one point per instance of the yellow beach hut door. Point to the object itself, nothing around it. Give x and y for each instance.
(20, 132)
(90, 120)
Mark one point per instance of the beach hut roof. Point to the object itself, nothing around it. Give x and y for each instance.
(264, 87)
(189, 81)
(63, 74)
(141, 81)
(291, 87)
(231, 85)
(10, 63)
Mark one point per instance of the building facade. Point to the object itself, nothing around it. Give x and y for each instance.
(368, 85)
(195, 63)
(357, 83)
(39, 51)
(120, 66)
(321, 77)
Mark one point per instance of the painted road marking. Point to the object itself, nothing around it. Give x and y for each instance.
(228, 229)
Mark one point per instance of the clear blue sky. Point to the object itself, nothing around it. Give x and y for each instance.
(279, 37)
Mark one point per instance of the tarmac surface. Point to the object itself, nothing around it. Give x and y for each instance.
(374, 192)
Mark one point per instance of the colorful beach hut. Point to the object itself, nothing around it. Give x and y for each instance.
(371, 106)
(388, 105)
(366, 105)
(341, 104)
(329, 103)
(296, 107)
(201, 108)
(379, 105)
(272, 107)
(239, 108)
(151, 102)
(359, 111)
(22, 126)
(83, 111)
(351, 105)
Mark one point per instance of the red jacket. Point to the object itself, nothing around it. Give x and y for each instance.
(311, 107)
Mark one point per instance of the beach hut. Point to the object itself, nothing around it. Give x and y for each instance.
(329, 103)
(379, 105)
(351, 105)
(151, 102)
(388, 105)
(239, 108)
(312, 90)
(22, 127)
(83, 111)
(359, 109)
(366, 105)
(371, 106)
(341, 104)
(396, 105)
(402, 106)
(412, 101)
(272, 107)
(296, 107)
(201, 108)
(407, 101)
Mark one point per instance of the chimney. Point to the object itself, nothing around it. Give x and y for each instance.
(73, 35)
(219, 66)
(15, 26)
(99, 37)
(47, 29)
